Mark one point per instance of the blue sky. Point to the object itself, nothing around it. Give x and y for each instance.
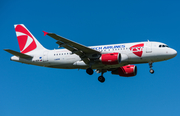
(27, 90)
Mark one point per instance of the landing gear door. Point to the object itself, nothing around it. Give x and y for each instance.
(148, 47)
(45, 56)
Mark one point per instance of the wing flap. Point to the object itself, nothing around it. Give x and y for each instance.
(21, 55)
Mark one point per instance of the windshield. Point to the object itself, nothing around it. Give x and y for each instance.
(163, 46)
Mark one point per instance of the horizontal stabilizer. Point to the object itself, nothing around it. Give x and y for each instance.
(21, 55)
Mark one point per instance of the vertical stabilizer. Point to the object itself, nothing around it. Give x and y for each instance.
(27, 42)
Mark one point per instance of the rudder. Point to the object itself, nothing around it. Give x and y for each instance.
(27, 42)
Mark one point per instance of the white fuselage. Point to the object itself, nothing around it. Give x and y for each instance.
(133, 53)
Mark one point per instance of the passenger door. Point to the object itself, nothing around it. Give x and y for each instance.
(45, 56)
(148, 47)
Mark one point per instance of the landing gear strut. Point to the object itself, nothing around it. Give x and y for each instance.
(150, 66)
(101, 78)
(89, 71)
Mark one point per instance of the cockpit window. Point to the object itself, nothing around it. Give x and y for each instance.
(163, 46)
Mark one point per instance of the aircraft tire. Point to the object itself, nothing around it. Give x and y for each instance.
(101, 79)
(89, 71)
(151, 71)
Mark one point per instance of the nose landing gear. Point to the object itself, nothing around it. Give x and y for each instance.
(151, 71)
(150, 66)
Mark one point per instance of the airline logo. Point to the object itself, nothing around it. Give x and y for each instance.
(137, 49)
(108, 47)
(25, 39)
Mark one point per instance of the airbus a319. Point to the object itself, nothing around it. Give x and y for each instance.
(119, 59)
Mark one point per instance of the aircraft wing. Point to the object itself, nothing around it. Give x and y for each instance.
(74, 47)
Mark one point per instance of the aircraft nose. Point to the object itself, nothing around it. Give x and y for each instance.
(173, 52)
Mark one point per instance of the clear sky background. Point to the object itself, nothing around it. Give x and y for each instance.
(27, 90)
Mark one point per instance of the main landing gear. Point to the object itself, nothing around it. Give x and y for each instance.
(150, 66)
(101, 78)
(89, 71)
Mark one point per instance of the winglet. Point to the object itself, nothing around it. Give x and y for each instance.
(45, 33)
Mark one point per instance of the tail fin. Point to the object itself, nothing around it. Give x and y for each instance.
(27, 42)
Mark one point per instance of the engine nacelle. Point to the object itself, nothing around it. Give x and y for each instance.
(110, 58)
(126, 71)
(113, 58)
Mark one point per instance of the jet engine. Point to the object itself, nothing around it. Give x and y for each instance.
(113, 58)
(126, 71)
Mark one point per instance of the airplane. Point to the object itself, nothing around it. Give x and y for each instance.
(119, 59)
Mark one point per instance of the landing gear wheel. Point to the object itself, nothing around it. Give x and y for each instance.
(150, 66)
(151, 71)
(89, 71)
(101, 79)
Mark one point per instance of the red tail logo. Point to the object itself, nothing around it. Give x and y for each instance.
(137, 49)
(25, 39)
